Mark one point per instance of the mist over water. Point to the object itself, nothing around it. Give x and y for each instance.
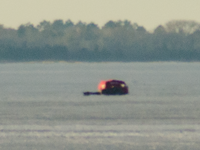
(42, 106)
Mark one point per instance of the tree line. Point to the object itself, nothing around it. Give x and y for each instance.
(115, 41)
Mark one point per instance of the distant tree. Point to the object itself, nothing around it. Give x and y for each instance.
(115, 41)
(26, 30)
(141, 29)
(58, 24)
(91, 32)
(127, 24)
(58, 27)
(44, 25)
(1, 27)
(110, 24)
(21, 31)
(92, 26)
(69, 23)
(195, 44)
(81, 24)
(182, 26)
(160, 30)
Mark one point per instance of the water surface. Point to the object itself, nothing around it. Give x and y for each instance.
(42, 106)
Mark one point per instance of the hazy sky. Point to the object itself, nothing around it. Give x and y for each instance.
(148, 13)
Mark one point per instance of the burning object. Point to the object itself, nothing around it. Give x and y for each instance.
(110, 87)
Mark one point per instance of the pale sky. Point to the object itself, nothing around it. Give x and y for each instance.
(147, 13)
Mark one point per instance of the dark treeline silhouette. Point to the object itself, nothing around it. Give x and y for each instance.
(115, 41)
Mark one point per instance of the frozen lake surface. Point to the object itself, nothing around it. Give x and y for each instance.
(42, 106)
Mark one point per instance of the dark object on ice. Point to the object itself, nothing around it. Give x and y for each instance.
(113, 87)
(91, 93)
(110, 87)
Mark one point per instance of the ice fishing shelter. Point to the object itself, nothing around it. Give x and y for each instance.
(113, 87)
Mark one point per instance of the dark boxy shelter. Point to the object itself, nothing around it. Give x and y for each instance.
(113, 87)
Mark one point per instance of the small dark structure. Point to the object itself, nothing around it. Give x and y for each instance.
(110, 87)
(91, 93)
(113, 87)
